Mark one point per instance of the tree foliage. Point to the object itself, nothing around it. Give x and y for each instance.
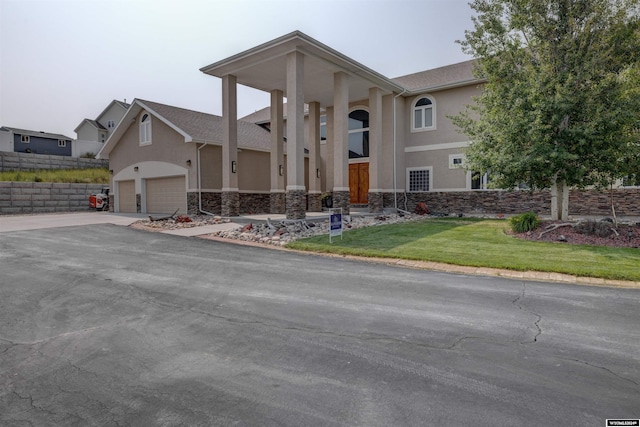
(561, 102)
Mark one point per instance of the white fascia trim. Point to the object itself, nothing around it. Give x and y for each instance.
(296, 187)
(433, 147)
(230, 190)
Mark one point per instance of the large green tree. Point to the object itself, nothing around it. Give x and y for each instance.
(561, 104)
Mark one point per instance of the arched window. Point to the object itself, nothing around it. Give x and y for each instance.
(358, 134)
(145, 129)
(423, 114)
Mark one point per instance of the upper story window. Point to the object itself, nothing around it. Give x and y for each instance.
(103, 137)
(145, 129)
(111, 124)
(423, 114)
(25, 138)
(62, 143)
(358, 134)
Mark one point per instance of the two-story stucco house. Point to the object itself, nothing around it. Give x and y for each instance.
(346, 130)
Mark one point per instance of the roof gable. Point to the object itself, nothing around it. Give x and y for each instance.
(193, 126)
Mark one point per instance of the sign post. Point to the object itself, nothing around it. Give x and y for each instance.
(335, 224)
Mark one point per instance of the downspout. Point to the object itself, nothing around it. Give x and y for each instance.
(395, 177)
(200, 184)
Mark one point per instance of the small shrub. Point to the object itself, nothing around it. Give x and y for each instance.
(524, 222)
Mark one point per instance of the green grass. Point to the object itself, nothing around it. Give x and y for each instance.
(84, 176)
(478, 243)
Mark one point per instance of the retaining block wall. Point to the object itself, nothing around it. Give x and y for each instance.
(39, 197)
(11, 161)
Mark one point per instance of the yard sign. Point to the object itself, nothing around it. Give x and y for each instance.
(335, 224)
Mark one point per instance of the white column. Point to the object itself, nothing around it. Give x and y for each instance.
(375, 138)
(277, 141)
(229, 133)
(313, 137)
(340, 132)
(295, 121)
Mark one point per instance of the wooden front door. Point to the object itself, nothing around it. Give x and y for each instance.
(359, 183)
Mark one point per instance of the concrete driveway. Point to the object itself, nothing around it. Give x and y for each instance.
(109, 326)
(57, 220)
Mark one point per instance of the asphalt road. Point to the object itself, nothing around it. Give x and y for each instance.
(104, 325)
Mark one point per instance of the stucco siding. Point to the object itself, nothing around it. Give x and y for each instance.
(253, 171)
(166, 146)
(447, 103)
(211, 165)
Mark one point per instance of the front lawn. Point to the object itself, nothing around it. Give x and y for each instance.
(479, 243)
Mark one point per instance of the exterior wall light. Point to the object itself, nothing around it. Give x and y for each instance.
(318, 173)
(135, 169)
(234, 166)
(189, 163)
(281, 170)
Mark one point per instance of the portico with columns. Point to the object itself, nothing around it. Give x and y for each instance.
(306, 73)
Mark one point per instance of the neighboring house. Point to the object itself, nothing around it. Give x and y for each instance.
(92, 134)
(6, 140)
(38, 142)
(165, 159)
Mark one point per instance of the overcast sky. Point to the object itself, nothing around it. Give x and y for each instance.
(65, 60)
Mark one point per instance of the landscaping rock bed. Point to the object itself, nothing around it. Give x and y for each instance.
(275, 232)
(597, 233)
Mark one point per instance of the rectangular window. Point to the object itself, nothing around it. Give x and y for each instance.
(111, 124)
(417, 119)
(456, 161)
(419, 179)
(62, 143)
(479, 181)
(25, 138)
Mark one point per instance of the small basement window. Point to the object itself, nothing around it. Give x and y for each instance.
(25, 138)
(62, 143)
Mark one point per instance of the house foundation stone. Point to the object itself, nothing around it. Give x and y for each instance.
(376, 202)
(278, 202)
(315, 202)
(230, 201)
(296, 204)
(341, 199)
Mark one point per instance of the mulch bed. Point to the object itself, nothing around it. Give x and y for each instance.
(628, 236)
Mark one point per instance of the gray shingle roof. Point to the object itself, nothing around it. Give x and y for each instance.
(37, 133)
(447, 76)
(203, 127)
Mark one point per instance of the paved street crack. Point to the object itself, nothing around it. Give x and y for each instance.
(517, 303)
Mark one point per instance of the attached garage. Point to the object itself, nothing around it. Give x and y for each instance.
(127, 196)
(166, 195)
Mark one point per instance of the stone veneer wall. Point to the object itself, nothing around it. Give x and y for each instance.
(250, 203)
(211, 202)
(255, 203)
(12, 161)
(585, 203)
(40, 197)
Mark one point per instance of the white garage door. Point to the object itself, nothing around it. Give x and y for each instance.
(165, 195)
(127, 196)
